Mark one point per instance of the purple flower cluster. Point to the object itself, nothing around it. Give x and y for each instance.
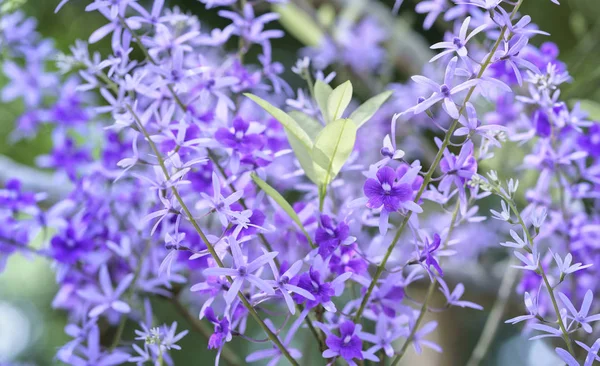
(180, 167)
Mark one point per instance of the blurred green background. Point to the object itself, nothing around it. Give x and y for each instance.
(30, 331)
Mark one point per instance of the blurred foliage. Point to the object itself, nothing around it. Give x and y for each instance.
(28, 285)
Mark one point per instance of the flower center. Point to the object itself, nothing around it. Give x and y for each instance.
(386, 187)
(457, 42)
(315, 285)
(386, 152)
(239, 135)
(243, 270)
(347, 339)
(445, 90)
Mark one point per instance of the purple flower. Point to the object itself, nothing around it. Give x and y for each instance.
(250, 27)
(459, 43)
(531, 261)
(590, 141)
(348, 259)
(523, 26)
(387, 192)
(222, 332)
(113, 7)
(114, 27)
(154, 15)
(511, 57)
(433, 9)
(13, 198)
(384, 336)
(592, 352)
(243, 137)
(171, 337)
(242, 271)
(255, 222)
(458, 169)
(347, 345)
(65, 155)
(106, 297)
(484, 4)
(427, 255)
(93, 355)
(274, 354)
(418, 340)
(314, 283)
(220, 204)
(321, 292)
(30, 83)
(443, 92)
(282, 283)
(581, 317)
(472, 126)
(391, 195)
(531, 303)
(565, 267)
(453, 298)
(329, 236)
(72, 244)
(367, 55)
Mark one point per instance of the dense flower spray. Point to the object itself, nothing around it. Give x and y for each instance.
(182, 193)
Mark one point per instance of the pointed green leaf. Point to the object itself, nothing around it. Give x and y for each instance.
(304, 155)
(326, 15)
(311, 126)
(283, 203)
(333, 147)
(364, 113)
(322, 93)
(287, 121)
(299, 24)
(338, 101)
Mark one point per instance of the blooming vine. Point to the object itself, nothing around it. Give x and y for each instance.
(195, 174)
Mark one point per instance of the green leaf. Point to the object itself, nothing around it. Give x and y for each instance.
(281, 201)
(311, 126)
(338, 101)
(304, 155)
(364, 113)
(299, 24)
(333, 147)
(326, 15)
(322, 93)
(287, 121)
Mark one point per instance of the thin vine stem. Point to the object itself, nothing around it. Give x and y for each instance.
(431, 171)
(272, 336)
